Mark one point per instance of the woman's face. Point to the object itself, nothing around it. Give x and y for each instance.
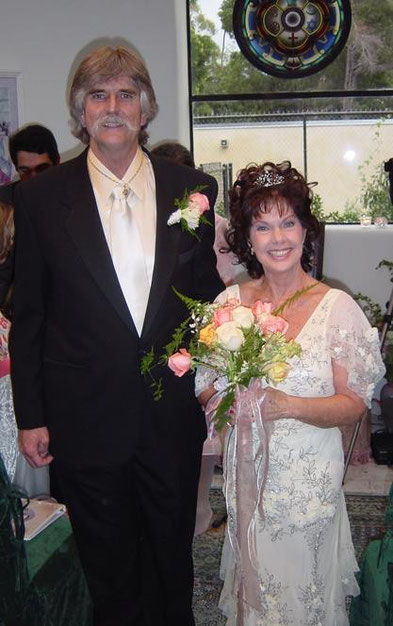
(277, 240)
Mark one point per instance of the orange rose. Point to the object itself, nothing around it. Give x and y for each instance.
(208, 335)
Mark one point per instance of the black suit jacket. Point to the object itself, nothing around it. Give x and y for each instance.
(74, 348)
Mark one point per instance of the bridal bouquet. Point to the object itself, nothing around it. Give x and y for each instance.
(237, 342)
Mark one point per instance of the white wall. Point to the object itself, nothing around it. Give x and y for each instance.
(41, 39)
(351, 256)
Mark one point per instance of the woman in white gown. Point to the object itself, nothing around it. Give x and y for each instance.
(305, 558)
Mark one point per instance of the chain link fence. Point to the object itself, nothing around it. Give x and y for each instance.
(341, 151)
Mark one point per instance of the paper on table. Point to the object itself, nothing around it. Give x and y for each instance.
(39, 514)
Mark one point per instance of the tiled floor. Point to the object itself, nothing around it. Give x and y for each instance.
(370, 479)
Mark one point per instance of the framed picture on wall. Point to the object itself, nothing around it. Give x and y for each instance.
(9, 120)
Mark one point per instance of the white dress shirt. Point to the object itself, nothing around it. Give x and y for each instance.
(142, 199)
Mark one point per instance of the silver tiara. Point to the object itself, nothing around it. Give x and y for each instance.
(268, 179)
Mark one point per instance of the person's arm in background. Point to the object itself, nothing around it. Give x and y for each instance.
(207, 282)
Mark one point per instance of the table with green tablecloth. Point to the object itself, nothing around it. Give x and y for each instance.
(56, 573)
(374, 605)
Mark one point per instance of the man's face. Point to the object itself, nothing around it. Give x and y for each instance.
(113, 118)
(30, 164)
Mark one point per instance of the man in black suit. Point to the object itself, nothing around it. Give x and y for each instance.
(88, 304)
(33, 149)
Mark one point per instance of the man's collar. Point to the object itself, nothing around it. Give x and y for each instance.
(105, 181)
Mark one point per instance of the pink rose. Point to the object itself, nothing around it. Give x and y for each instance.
(200, 200)
(180, 362)
(267, 322)
(261, 308)
(222, 315)
(272, 324)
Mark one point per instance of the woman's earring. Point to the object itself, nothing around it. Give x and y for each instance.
(251, 249)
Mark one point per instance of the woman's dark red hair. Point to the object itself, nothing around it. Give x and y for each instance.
(257, 190)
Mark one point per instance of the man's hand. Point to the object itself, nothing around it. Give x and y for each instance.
(34, 445)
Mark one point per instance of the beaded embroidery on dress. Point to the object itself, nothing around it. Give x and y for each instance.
(304, 547)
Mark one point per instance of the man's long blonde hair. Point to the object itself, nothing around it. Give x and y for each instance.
(104, 64)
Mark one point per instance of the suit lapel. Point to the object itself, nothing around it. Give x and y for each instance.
(84, 226)
(166, 242)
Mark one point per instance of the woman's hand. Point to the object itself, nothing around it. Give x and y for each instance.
(344, 407)
(275, 405)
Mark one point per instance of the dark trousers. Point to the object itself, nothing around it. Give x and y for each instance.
(134, 525)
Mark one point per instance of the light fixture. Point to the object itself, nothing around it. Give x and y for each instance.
(224, 143)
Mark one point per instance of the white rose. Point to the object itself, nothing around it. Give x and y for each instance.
(243, 316)
(191, 215)
(174, 217)
(230, 336)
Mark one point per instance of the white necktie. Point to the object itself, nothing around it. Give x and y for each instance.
(128, 257)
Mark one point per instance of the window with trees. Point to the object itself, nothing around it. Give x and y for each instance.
(336, 125)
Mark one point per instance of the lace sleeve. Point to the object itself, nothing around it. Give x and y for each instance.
(354, 344)
(205, 377)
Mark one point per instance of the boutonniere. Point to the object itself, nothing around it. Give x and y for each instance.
(190, 210)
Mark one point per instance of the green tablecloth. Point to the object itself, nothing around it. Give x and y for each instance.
(49, 542)
(41, 581)
(56, 575)
(374, 605)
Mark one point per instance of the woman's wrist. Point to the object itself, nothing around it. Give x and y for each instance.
(205, 396)
(292, 408)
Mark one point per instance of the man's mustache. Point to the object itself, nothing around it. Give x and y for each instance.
(116, 120)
